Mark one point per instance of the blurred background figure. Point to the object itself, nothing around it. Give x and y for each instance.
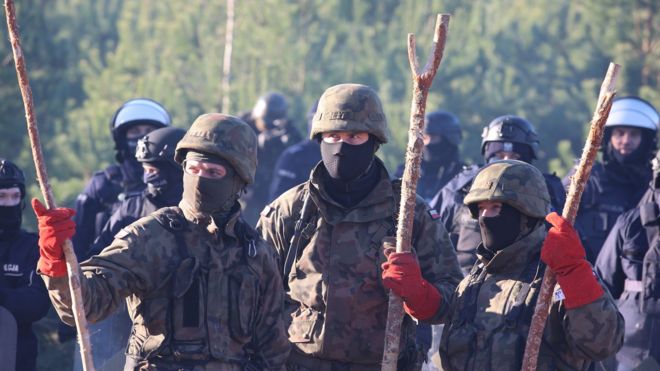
(23, 296)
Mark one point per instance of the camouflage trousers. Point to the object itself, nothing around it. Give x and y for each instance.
(301, 362)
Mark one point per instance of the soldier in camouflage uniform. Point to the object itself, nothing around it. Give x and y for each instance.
(201, 287)
(492, 307)
(328, 233)
(506, 137)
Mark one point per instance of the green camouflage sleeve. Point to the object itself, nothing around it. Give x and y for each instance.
(437, 257)
(271, 336)
(593, 331)
(108, 278)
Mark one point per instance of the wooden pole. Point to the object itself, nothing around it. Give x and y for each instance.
(422, 81)
(578, 181)
(46, 190)
(226, 62)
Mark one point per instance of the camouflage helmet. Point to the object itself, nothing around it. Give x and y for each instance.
(514, 182)
(350, 107)
(224, 136)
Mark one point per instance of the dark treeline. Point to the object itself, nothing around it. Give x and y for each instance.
(540, 60)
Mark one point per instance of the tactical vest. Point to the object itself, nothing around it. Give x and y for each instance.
(188, 339)
(464, 339)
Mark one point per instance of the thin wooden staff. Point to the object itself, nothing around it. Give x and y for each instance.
(578, 181)
(422, 81)
(46, 190)
(226, 61)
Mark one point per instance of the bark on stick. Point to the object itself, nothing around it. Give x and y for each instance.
(46, 190)
(578, 181)
(422, 81)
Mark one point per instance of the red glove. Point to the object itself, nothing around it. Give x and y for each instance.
(55, 227)
(402, 275)
(562, 251)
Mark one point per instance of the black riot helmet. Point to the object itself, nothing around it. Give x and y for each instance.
(11, 176)
(140, 111)
(444, 123)
(269, 108)
(159, 145)
(512, 131)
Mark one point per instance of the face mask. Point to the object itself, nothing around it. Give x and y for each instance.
(347, 162)
(208, 196)
(498, 232)
(10, 218)
(164, 187)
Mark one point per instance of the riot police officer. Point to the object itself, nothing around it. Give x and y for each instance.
(21, 294)
(440, 158)
(275, 132)
(629, 263)
(618, 183)
(328, 234)
(95, 204)
(506, 137)
(296, 162)
(202, 288)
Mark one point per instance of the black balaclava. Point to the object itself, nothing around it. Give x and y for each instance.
(131, 168)
(165, 187)
(498, 232)
(351, 175)
(437, 155)
(211, 197)
(11, 217)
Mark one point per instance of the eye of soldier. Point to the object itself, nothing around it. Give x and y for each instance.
(204, 169)
(10, 196)
(350, 137)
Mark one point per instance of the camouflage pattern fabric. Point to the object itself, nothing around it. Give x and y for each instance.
(491, 340)
(225, 136)
(237, 298)
(517, 183)
(336, 303)
(350, 107)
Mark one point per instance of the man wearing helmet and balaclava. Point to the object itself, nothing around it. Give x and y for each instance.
(618, 183)
(440, 158)
(23, 298)
(203, 290)
(95, 204)
(506, 137)
(491, 310)
(275, 132)
(329, 233)
(629, 264)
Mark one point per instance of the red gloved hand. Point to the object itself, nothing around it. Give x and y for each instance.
(401, 274)
(55, 227)
(562, 251)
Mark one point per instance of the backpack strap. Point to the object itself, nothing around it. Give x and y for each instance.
(301, 234)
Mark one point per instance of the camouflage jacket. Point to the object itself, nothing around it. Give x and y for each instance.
(335, 299)
(492, 310)
(216, 300)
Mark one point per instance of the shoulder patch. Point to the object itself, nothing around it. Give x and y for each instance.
(435, 215)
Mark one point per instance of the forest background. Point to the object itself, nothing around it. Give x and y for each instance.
(543, 60)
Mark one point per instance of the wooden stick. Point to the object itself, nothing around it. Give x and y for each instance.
(422, 81)
(46, 190)
(226, 61)
(578, 181)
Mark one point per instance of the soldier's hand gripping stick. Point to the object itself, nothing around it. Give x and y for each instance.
(42, 176)
(575, 189)
(422, 81)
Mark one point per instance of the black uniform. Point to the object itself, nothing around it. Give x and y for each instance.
(464, 230)
(294, 166)
(629, 263)
(611, 190)
(22, 292)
